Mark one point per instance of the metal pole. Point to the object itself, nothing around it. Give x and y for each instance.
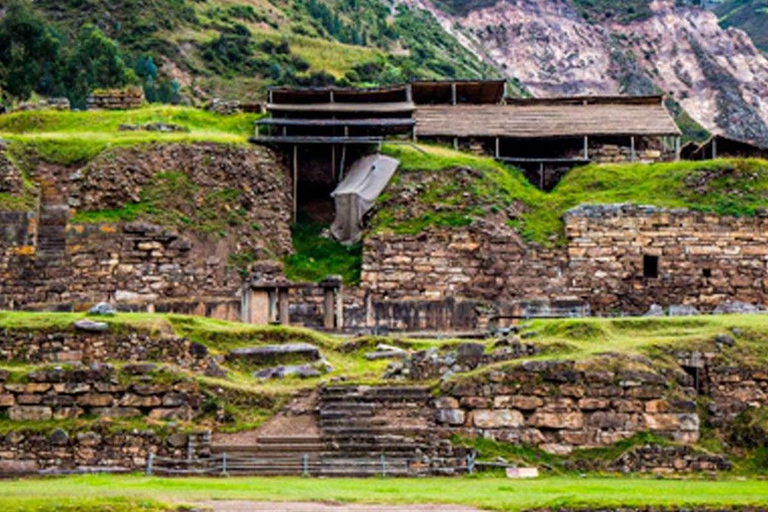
(150, 459)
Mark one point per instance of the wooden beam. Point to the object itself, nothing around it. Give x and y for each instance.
(454, 99)
(714, 148)
(541, 176)
(408, 93)
(283, 306)
(497, 148)
(333, 162)
(295, 181)
(456, 143)
(586, 147)
(678, 148)
(632, 146)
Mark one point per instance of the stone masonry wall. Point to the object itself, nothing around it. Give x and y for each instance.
(704, 260)
(98, 391)
(53, 261)
(559, 406)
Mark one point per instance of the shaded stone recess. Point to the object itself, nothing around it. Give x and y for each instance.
(10, 176)
(703, 260)
(99, 391)
(170, 265)
(70, 345)
(30, 452)
(560, 406)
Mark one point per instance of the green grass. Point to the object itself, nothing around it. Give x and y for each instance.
(491, 493)
(70, 138)
(725, 187)
(316, 257)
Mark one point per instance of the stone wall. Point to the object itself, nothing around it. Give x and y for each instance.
(116, 99)
(149, 264)
(98, 391)
(70, 345)
(559, 406)
(29, 451)
(704, 261)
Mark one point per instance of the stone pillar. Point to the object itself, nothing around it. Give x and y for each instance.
(333, 303)
(328, 309)
(284, 317)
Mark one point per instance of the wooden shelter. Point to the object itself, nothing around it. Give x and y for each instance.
(720, 146)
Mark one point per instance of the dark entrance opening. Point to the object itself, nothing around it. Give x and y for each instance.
(650, 266)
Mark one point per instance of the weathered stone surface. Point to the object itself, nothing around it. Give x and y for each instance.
(568, 420)
(30, 413)
(451, 416)
(91, 326)
(485, 418)
(265, 354)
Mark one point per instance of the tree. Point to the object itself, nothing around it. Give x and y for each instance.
(95, 62)
(29, 51)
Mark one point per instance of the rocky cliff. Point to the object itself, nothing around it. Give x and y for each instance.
(557, 47)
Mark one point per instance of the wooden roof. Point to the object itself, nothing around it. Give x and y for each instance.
(339, 94)
(380, 108)
(467, 91)
(536, 120)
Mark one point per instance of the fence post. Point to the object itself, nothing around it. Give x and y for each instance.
(224, 463)
(150, 457)
(305, 459)
(383, 466)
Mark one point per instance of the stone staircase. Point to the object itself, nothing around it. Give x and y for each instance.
(363, 431)
(51, 259)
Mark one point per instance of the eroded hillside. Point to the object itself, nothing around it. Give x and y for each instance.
(557, 47)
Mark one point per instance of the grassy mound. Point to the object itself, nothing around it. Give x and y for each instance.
(72, 138)
(447, 188)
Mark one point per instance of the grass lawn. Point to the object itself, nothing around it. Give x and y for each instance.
(71, 138)
(492, 493)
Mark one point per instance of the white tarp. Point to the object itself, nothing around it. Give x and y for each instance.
(357, 193)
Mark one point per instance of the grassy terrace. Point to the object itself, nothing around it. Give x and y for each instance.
(725, 187)
(128, 493)
(71, 138)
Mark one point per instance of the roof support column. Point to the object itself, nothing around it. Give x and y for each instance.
(677, 148)
(497, 148)
(295, 181)
(586, 147)
(456, 143)
(541, 175)
(632, 146)
(453, 94)
(408, 93)
(333, 162)
(714, 148)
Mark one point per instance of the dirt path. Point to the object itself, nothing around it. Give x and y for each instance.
(261, 506)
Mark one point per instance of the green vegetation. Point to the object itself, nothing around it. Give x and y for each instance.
(597, 11)
(316, 257)
(70, 138)
(488, 493)
(749, 15)
(724, 187)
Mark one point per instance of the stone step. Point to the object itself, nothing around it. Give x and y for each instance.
(376, 431)
(366, 423)
(288, 439)
(275, 450)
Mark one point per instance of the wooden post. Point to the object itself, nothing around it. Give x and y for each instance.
(341, 164)
(497, 147)
(453, 94)
(283, 306)
(714, 148)
(677, 148)
(333, 162)
(328, 309)
(270, 96)
(408, 93)
(541, 175)
(586, 147)
(632, 145)
(456, 143)
(295, 182)
(331, 96)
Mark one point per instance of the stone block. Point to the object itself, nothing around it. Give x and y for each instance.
(30, 413)
(95, 400)
(497, 418)
(555, 420)
(450, 416)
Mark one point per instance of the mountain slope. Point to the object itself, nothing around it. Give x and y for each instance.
(559, 47)
(749, 15)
